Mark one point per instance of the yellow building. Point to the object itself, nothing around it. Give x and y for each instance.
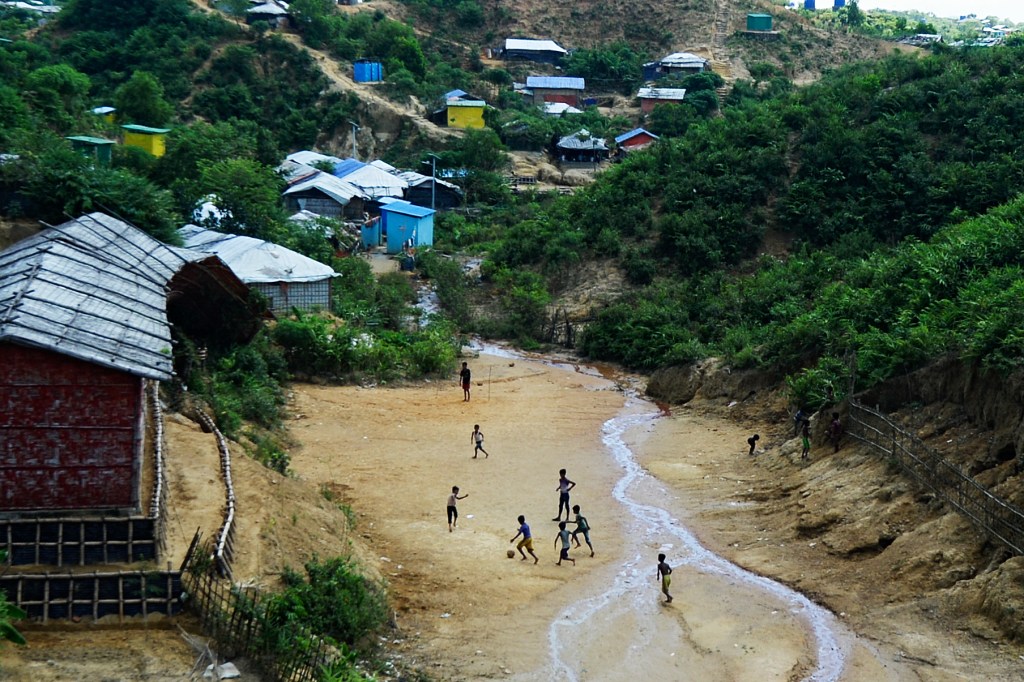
(146, 138)
(106, 113)
(466, 113)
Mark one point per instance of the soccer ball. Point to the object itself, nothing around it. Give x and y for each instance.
(511, 554)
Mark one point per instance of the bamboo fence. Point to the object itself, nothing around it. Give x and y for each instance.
(1001, 520)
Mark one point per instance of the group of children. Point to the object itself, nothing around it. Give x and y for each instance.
(802, 427)
(566, 536)
(524, 534)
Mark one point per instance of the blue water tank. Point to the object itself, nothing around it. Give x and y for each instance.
(808, 4)
(367, 71)
(840, 3)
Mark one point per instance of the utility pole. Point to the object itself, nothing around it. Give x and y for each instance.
(355, 127)
(433, 177)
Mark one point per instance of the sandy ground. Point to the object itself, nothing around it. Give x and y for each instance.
(472, 613)
(463, 611)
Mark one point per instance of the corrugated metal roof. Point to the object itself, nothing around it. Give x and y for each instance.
(405, 208)
(148, 130)
(416, 179)
(90, 139)
(477, 103)
(633, 133)
(94, 288)
(293, 171)
(581, 140)
(455, 94)
(533, 45)
(253, 260)
(661, 93)
(556, 82)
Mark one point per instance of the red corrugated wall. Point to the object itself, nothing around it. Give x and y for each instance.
(572, 99)
(68, 432)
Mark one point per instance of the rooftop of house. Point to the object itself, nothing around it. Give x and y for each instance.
(556, 82)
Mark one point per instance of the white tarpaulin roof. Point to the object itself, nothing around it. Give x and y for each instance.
(340, 190)
(309, 158)
(533, 45)
(371, 179)
(559, 108)
(254, 260)
(93, 288)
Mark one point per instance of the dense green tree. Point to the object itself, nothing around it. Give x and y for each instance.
(57, 93)
(612, 67)
(854, 15)
(141, 100)
(13, 112)
(121, 15)
(248, 195)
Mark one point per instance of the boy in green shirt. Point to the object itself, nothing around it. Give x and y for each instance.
(582, 526)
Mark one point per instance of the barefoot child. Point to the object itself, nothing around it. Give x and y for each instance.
(453, 512)
(527, 540)
(582, 526)
(477, 437)
(465, 379)
(563, 535)
(564, 486)
(665, 573)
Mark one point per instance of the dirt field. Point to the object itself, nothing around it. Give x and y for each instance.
(466, 612)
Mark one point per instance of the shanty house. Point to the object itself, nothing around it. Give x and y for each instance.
(544, 51)
(86, 312)
(465, 113)
(560, 109)
(424, 190)
(652, 97)
(271, 12)
(406, 224)
(105, 112)
(373, 181)
(677, 63)
(635, 139)
(581, 147)
(97, 149)
(325, 195)
(565, 89)
(431, 192)
(287, 279)
(146, 138)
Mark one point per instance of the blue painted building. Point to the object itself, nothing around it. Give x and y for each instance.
(405, 223)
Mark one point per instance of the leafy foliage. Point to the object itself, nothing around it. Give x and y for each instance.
(615, 67)
(332, 599)
(8, 614)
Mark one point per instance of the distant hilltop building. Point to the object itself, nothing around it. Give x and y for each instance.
(922, 39)
(676, 64)
(545, 51)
